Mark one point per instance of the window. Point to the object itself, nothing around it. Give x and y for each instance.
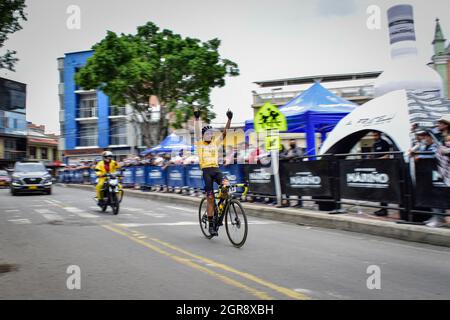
(87, 105)
(118, 133)
(88, 135)
(44, 153)
(32, 151)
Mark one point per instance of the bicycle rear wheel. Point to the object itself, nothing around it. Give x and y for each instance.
(236, 223)
(203, 218)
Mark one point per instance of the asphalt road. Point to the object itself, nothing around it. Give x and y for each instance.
(155, 250)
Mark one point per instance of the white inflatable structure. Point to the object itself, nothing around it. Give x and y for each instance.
(408, 92)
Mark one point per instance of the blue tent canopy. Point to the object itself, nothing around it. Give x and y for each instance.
(169, 144)
(315, 110)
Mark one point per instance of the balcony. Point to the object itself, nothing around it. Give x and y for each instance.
(117, 111)
(90, 141)
(61, 89)
(90, 113)
(12, 155)
(118, 140)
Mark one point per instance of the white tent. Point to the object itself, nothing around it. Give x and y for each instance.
(393, 114)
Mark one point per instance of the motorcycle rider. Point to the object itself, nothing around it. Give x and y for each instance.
(107, 165)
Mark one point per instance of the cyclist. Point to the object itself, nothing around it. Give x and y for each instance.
(208, 144)
(107, 165)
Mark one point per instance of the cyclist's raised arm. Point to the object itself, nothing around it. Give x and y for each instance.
(197, 126)
(228, 125)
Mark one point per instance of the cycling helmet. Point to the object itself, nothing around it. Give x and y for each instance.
(106, 154)
(205, 129)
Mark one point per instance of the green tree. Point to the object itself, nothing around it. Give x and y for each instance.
(11, 14)
(180, 71)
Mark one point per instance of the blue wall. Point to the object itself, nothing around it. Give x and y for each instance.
(72, 62)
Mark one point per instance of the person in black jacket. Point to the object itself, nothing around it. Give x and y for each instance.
(381, 146)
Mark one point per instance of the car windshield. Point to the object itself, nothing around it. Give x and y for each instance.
(3, 173)
(29, 167)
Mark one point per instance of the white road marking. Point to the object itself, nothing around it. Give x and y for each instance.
(136, 225)
(12, 210)
(133, 209)
(80, 212)
(155, 215)
(20, 221)
(52, 216)
(44, 211)
(182, 209)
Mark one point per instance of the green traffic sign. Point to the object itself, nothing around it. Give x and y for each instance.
(270, 118)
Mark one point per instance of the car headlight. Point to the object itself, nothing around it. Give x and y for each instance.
(16, 181)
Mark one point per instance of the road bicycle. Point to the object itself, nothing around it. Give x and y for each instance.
(227, 208)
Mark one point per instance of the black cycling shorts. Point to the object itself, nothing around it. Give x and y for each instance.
(211, 175)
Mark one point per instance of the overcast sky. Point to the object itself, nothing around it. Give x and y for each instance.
(268, 40)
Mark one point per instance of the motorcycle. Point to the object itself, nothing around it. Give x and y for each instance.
(112, 193)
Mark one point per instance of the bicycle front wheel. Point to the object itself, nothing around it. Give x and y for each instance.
(236, 223)
(203, 218)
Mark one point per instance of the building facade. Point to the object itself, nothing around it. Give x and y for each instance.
(355, 87)
(42, 146)
(13, 125)
(89, 123)
(441, 57)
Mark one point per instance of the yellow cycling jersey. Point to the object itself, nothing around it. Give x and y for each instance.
(100, 167)
(208, 153)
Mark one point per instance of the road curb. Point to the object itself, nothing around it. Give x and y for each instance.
(422, 234)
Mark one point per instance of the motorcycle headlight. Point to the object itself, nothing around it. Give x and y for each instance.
(113, 182)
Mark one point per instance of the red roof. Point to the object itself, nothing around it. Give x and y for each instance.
(43, 141)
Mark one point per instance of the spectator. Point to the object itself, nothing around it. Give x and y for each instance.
(427, 150)
(380, 145)
(427, 147)
(293, 152)
(443, 129)
(443, 156)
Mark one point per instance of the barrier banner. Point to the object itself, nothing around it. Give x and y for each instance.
(71, 176)
(78, 176)
(376, 180)
(128, 178)
(175, 176)
(139, 176)
(93, 177)
(307, 178)
(194, 177)
(155, 176)
(260, 179)
(430, 190)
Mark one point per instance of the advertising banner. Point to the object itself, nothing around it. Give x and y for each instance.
(155, 176)
(430, 190)
(175, 176)
(260, 179)
(375, 180)
(307, 178)
(194, 177)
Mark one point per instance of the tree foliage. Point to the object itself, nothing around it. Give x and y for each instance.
(180, 71)
(11, 14)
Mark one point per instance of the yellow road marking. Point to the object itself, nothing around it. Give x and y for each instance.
(285, 291)
(259, 294)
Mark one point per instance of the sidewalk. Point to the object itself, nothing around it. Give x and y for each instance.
(361, 223)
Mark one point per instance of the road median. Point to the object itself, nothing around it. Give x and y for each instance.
(414, 233)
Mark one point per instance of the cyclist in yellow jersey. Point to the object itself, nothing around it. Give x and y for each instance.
(208, 153)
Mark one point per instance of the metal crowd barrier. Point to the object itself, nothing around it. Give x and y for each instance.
(328, 180)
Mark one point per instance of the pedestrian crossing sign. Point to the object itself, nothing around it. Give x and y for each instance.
(270, 118)
(273, 143)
